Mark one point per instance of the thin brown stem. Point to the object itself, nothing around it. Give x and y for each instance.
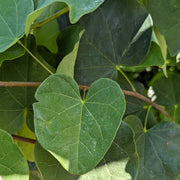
(81, 87)
(19, 84)
(23, 139)
(145, 99)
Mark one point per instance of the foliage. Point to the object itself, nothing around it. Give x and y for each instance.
(89, 118)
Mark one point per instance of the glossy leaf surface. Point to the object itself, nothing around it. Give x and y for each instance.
(120, 37)
(80, 131)
(13, 165)
(157, 149)
(13, 14)
(166, 15)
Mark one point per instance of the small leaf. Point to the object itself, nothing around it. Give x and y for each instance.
(13, 165)
(165, 15)
(157, 148)
(26, 148)
(13, 14)
(77, 132)
(13, 52)
(35, 175)
(47, 36)
(120, 37)
(71, 37)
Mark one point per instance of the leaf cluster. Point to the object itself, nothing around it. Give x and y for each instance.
(89, 89)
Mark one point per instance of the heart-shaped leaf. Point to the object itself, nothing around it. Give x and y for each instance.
(120, 37)
(77, 132)
(13, 165)
(13, 14)
(157, 148)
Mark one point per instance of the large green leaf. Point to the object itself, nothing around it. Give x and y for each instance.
(13, 14)
(77, 132)
(120, 37)
(69, 40)
(16, 101)
(13, 165)
(166, 15)
(158, 150)
(112, 165)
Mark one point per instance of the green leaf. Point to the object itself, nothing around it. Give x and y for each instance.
(35, 174)
(13, 52)
(77, 8)
(168, 97)
(120, 37)
(26, 148)
(49, 11)
(47, 36)
(76, 128)
(165, 15)
(13, 14)
(112, 166)
(157, 148)
(49, 166)
(13, 165)
(16, 100)
(70, 44)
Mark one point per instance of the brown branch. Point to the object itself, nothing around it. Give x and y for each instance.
(19, 84)
(128, 93)
(23, 139)
(145, 99)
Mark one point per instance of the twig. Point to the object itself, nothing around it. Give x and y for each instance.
(128, 93)
(19, 84)
(145, 99)
(23, 139)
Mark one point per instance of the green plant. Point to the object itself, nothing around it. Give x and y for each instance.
(76, 91)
